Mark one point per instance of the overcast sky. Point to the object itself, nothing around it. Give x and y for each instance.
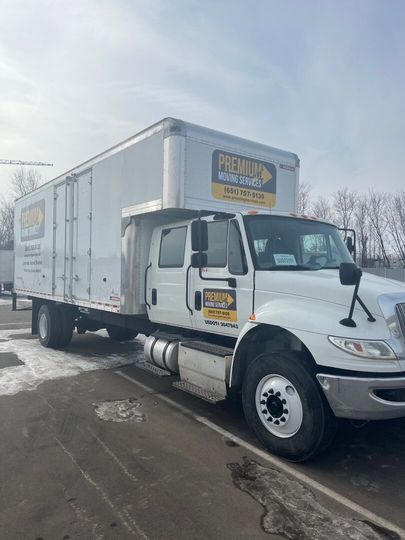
(324, 79)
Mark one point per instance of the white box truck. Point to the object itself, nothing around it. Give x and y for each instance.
(6, 269)
(190, 236)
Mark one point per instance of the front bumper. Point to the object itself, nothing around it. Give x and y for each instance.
(364, 398)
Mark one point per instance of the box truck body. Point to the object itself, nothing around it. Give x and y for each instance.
(71, 238)
(190, 236)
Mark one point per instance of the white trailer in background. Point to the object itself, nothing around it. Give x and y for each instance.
(190, 236)
(6, 269)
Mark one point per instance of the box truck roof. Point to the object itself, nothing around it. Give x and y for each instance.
(181, 165)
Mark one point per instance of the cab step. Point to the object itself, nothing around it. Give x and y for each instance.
(154, 370)
(202, 393)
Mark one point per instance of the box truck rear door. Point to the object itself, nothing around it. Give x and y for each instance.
(59, 240)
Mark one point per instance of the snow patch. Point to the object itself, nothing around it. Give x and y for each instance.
(42, 364)
(125, 410)
(7, 300)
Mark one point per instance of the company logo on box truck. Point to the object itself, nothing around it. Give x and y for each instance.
(242, 179)
(33, 221)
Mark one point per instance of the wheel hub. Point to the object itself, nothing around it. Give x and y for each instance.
(43, 326)
(279, 406)
(274, 406)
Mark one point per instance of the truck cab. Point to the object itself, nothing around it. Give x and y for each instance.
(266, 291)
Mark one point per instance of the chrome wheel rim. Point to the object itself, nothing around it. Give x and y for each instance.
(279, 406)
(43, 326)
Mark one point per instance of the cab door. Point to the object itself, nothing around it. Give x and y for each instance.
(167, 275)
(217, 306)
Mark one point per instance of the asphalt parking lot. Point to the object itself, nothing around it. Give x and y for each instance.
(94, 447)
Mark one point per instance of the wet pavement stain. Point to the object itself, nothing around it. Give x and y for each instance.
(292, 511)
(9, 359)
(231, 443)
(124, 410)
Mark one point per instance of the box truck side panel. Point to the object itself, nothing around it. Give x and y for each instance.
(131, 178)
(140, 168)
(106, 232)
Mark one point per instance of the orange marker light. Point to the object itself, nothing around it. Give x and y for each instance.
(252, 317)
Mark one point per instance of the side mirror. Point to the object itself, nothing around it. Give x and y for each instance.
(199, 236)
(350, 245)
(199, 260)
(349, 273)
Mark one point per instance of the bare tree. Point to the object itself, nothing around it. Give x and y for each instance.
(322, 208)
(304, 198)
(6, 224)
(377, 212)
(24, 181)
(396, 223)
(362, 227)
(344, 203)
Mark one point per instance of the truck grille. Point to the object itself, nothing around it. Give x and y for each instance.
(400, 310)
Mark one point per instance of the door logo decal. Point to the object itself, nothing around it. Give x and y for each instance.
(220, 304)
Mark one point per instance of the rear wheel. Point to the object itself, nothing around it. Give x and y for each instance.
(49, 325)
(67, 322)
(118, 333)
(285, 407)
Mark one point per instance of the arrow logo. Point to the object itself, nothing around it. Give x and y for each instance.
(229, 300)
(40, 216)
(265, 174)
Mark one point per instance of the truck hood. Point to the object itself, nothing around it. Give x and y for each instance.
(324, 285)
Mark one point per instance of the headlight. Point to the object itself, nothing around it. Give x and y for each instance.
(365, 349)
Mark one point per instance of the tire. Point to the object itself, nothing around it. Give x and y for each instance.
(285, 407)
(66, 328)
(49, 325)
(117, 333)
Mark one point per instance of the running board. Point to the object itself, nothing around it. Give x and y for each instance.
(206, 395)
(154, 370)
(209, 348)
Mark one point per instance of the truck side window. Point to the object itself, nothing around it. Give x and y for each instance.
(172, 247)
(217, 241)
(236, 253)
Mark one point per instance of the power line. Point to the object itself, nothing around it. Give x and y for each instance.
(21, 162)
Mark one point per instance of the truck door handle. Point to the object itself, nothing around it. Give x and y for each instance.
(197, 300)
(145, 292)
(154, 297)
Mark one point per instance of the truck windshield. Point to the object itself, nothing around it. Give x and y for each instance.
(284, 243)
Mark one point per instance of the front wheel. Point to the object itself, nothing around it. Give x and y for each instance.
(284, 406)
